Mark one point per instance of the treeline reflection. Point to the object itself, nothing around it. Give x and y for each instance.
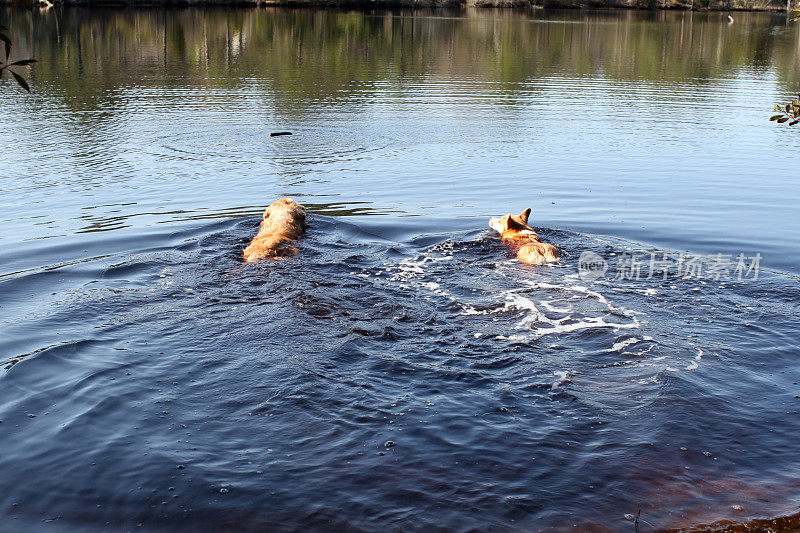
(312, 54)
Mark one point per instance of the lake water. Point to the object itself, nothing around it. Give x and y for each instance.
(402, 372)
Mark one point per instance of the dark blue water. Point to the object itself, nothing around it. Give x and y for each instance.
(403, 371)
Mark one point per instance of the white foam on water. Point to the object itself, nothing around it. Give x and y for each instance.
(639, 353)
(547, 304)
(578, 326)
(539, 323)
(412, 267)
(409, 266)
(696, 363)
(622, 344)
(537, 307)
(469, 310)
(564, 376)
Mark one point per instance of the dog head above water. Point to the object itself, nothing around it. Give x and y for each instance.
(513, 226)
(520, 237)
(284, 216)
(283, 221)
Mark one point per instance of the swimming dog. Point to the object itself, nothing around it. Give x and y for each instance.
(284, 221)
(519, 236)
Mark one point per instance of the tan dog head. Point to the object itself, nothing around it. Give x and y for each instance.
(286, 217)
(283, 221)
(513, 224)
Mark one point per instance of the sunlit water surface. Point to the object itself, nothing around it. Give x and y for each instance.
(402, 372)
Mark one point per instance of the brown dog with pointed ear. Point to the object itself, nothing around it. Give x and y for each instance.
(284, 221)
(520, 237)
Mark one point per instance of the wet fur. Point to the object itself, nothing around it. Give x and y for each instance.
(284, 221)
(519, 236)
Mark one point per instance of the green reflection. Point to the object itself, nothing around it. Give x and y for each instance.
(310, 57)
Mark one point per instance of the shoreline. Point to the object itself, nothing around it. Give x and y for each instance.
(701, 6)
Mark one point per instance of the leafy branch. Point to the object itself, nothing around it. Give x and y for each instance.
(790, 111)
(6, 66)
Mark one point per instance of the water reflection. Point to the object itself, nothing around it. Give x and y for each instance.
(323, 57)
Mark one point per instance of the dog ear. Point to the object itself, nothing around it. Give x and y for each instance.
(522, 218)
(511, 222)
